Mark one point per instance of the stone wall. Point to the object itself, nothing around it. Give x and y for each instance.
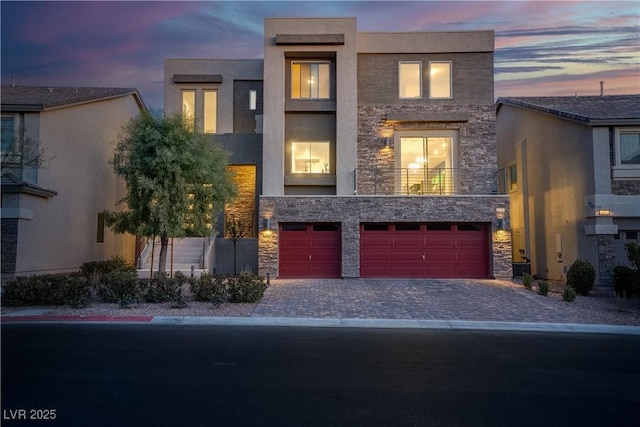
(9, 245)
(476, 158)
(625, 187)
(606, 259)
(351, 211)
(243, 207)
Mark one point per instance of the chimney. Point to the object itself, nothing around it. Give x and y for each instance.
(601, 88)
(13, 80)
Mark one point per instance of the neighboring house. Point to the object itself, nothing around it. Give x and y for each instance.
(378, 149)
(572, 167)
(51, 217)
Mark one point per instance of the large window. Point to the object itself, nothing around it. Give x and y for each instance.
(630, 148)
(310, 157)
(210, 111)
(426, 165)
(410, 80)
(8, 132)
(310, 80)
(440, 79)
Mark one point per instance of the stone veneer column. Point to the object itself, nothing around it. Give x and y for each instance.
(606, 259)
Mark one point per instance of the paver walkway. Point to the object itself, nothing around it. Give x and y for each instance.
(443, 299)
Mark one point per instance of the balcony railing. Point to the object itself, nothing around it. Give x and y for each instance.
(406, 181)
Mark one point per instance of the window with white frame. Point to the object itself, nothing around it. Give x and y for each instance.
(310, 157)
(310, 80)
(439, 79)
(410, 79)
(189, 106)
(253, 99)
(8, 132)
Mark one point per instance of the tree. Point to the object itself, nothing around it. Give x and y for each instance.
(20, 151)
(176, 179)
(236, 230)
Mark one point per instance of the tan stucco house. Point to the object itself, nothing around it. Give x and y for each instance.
(51, 216)
(572, 171)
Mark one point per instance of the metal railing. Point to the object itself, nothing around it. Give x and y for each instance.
(406, 181)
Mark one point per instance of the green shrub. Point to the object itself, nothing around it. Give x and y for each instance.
(91, 268)
(246, 287)
(47, 289)
(74, 291)
(25, 291)
(633, 254)
(162, 288)
(527, 280)
(625, 281)
(581, 276)
(569, 294)
(209, 288)
(543, 287)
(122, 287)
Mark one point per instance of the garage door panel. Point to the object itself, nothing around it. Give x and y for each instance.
(377, 241)
(441, 242)
(311, 250)
(404, 242)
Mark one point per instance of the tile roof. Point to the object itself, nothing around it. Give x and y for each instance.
(12, 184)
(587, 109)
(37, 98)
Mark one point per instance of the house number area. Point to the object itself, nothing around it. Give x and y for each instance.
(29, 414)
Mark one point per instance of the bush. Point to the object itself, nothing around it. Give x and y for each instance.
(633, 254)
(527, 280)
(246, 287)
(209, 288)
(581, 276)
(569, 294)
(92, 268)
(625, 280)
(122, 287)
(47, 289)
(163, 288)
(543, 287)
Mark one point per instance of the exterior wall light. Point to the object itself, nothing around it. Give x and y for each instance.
(386, 142)
(266, 223)
(500, 212)
(604, 212)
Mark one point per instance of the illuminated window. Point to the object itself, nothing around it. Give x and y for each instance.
(426, 165)
(310, 157)
(189, 106)
(410, 80)
(310, 80)
(210, 111)
(513, 177)
(440, 80)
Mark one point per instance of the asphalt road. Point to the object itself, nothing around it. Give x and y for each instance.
(158, 375)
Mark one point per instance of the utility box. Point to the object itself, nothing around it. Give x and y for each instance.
(519, 268)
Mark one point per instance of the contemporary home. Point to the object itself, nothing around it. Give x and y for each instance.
(378, 150)
(51, 216)
(572, 172)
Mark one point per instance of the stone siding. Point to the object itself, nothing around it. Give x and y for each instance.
(243, 207)
(625, 187)
(476, 150)
(606, 260)
(351, 211)
(9, 245)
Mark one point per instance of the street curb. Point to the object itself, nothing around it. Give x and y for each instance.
(332, 323)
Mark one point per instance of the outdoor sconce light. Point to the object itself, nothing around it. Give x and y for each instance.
(266, 223)
(604, 212)
(386, 142)
(500, 212)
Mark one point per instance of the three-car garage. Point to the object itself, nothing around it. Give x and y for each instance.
(402, 250)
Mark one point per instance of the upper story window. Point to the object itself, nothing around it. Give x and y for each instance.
(310, 157)
(201, 113)
(629, 143)
(440, 80)
(8, 132)
(253, 99)
(310, 80)
(410, 80)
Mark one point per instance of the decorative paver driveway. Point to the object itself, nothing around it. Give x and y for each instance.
(443, 299)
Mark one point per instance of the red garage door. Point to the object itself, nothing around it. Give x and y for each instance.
(310, 250)
(424, 250)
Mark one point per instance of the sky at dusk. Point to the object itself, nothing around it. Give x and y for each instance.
(542, 48)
